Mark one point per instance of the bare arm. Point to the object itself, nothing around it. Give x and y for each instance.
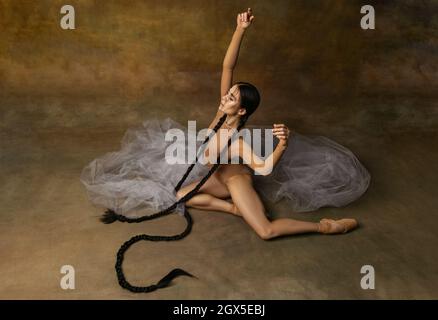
(260, 166)
(244, 20)
(230, 60)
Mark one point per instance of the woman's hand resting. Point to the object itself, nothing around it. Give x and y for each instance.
(281, 132)
(245, 19)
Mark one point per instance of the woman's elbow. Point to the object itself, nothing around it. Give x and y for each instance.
(263, 171)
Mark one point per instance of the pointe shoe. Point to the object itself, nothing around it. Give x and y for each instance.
(330, 226)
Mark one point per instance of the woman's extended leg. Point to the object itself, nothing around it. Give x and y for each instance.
(251, 207)
(210, 196)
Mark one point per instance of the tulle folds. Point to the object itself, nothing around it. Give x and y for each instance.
(313, 172)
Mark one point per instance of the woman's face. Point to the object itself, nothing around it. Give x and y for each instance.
(230, 103)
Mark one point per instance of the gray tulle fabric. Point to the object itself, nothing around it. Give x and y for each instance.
(313, 172)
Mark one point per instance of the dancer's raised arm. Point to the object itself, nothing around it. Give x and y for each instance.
(244, 20)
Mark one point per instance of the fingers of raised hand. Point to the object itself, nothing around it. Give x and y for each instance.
(281, 131)
(245, 17)
(250, 15)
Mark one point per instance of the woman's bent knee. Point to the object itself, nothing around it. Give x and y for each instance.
(181, 193)
(265, 233)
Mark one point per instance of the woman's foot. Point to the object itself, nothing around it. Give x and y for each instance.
(330, 226)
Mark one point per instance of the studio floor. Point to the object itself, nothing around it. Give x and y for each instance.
(47, 222)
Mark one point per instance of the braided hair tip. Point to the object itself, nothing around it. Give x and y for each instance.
(109, 217)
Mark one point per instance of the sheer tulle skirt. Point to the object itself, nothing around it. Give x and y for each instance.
(313, 172)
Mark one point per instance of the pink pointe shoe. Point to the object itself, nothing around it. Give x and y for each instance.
(330, 226)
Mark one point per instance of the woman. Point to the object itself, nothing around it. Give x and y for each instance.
(310, 172)
(236, 180)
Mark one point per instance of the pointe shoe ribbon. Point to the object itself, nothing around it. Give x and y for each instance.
(330, 226)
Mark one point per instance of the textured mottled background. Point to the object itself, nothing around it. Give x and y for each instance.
(130, 60)
(67, 97)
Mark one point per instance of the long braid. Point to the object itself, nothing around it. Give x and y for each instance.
(215, 129)
(111, 216)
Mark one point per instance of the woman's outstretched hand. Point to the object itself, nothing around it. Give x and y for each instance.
(245, 19)
(281, 132)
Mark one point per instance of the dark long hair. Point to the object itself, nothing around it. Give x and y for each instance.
(250, 100)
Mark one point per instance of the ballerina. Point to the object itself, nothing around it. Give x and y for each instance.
(309, 172)
(238, 102)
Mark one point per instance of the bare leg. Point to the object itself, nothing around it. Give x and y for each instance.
(210, 197)
(285, 226)
(251, 207)
(206, 201)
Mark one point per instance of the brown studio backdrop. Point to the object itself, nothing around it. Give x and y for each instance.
(317, 70)
(67, 97)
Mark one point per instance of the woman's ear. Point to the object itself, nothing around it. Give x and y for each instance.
(241, 112)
